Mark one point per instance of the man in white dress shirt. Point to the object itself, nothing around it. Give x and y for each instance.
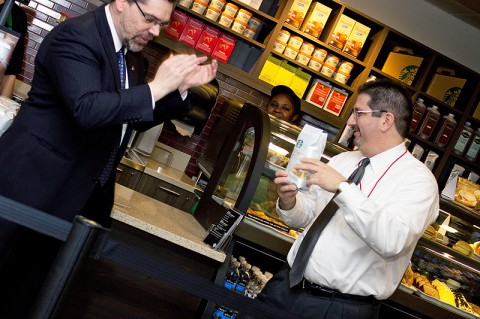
(361, 255)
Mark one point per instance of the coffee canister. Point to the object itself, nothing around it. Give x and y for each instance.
(199, 6)
(254, 23)
(290, 52)
(212, 13)
(279, 46)
(239, 26)
(217, 4)
(243, 16)
(185, 3)
(307, 48)
(331, 60)
(283, 36)
(327, 70)
(341, 77)
(315, 64)
(249, 33)
(230, 9)
(295, 42)
(345, 67)
(319, 54)
(225, 20)
(302, 58)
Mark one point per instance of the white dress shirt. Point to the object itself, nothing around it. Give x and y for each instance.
(367, 245)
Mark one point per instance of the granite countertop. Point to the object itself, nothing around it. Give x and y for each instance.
(169, 175)
(162, 220)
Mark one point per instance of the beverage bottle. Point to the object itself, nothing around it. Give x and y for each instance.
(231, 276)
(474, 148)
(463, 139)
(429, 123)
(243, 277)
(447, 128)
(419, 109)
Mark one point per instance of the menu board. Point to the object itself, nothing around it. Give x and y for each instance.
(219, 234)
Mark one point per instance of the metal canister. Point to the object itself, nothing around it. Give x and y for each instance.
(243, 16)
(254, 23)
(307, 48)
(279, 46)
(341, 77)
(217, 4)
(283, 36)
(327, 70)
(345, 66)
(290, 52)
(302, 58)
(199, 6)
(230, 9)
(212, 13)
(315, 64)
(225, 20)
(239, 26)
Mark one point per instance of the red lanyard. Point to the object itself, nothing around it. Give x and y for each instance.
(378, 180)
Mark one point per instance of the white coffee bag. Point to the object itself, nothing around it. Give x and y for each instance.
(310, 143)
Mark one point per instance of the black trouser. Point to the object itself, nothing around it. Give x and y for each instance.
(308, 305)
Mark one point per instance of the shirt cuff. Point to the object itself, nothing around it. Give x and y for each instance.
(184, 95)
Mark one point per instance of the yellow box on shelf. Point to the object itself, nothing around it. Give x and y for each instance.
(285, 74)
(402, 66)
(316, 19)
(300, 82)
(445, 86)
(270, 69)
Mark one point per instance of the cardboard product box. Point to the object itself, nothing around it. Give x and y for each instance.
(402, 66)
(224, 47)
(239, 54)
(191, 32)
(255, 4)
(319, 92)
(446, 87)
(342, 31)
(357, 39)
(316, 19)
(252, 59)
(178, 21)
(336, 100)
(300, 82)
(207, 40)
(476, 114)
(270, 69)
(297, 12)
(285, 74)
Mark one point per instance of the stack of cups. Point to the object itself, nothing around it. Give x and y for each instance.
(241, 21)
(228, 15)
(343, 72)
(293, 47)
(316, 61)
(281, 41)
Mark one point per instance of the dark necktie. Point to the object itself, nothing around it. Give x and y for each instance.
(107, 170)
(311, 237)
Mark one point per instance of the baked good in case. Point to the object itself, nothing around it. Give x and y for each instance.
(463, 247)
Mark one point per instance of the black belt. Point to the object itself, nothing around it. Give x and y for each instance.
(319, 290)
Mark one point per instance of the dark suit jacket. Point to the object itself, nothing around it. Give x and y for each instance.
(57, 146)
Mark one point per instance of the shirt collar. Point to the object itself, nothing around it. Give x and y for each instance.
(384, 159)
(117, 42)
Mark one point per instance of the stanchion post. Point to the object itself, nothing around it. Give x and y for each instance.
(76, 248)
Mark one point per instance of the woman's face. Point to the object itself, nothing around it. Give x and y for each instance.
(281, 106)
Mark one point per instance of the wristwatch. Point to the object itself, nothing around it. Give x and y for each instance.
(343, 185)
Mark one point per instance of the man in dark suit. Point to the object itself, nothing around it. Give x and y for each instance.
(54, 156)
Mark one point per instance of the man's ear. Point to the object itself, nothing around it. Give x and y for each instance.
(388, 120)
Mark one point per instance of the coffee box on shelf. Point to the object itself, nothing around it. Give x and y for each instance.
(356, 39)
(270, 69)
(191, 32)
(285, 74)
(336, 100)
(297, 12)
(342, 31)
(300, 82)
(224, 47)
(177, 24)
(316, 18)
(445, 86)
(402, 66)
(207, 40)
(319, 92)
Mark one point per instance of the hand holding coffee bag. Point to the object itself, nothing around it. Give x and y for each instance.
(310, 143)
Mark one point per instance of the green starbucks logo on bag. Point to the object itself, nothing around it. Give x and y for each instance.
(408, 73)
(451, 95)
